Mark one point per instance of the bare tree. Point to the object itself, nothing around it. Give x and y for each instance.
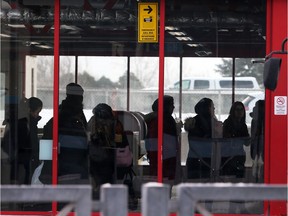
(146, 69)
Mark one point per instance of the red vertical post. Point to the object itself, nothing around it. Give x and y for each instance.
(161, 89)
(55, 97)
(276, 125)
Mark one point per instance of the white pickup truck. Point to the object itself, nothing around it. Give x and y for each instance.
(221, 83)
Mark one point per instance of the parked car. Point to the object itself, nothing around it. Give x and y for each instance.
(249, 103)
(218, 83)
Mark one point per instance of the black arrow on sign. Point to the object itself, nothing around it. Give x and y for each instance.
(149, 9)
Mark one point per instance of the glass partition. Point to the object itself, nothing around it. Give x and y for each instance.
(210, 63)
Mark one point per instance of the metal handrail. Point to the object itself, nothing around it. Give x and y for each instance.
(78, 196)
(155, 196)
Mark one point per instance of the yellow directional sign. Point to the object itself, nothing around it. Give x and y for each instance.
(148, 22)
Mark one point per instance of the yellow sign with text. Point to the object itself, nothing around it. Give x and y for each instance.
(147, 22)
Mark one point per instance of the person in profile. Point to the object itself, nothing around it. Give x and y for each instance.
(203, 125)
(257, 140)
(26, 137)
(73, 156)
(235, 127)
(170, 138)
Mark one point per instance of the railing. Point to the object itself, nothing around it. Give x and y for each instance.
(155, 197)
(77, 196)
(155, 200)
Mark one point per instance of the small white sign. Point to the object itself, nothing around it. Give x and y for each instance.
(280, 105)
(45, 149)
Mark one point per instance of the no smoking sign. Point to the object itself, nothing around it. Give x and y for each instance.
(280, 105)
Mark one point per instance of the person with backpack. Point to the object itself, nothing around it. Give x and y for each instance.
(107, 164)
(102, 161)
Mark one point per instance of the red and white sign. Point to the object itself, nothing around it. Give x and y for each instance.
(280, 105)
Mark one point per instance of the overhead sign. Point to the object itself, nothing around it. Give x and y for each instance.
(148, 22)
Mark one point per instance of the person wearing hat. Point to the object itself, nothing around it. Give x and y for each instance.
(73, 156)
(69, 109)
(72, 105)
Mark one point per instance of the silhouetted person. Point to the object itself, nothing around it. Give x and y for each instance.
(235, 126)
(257, 139)
(170, 138)
(203, 125)
(35, 105)
(26, 137)
(73, 156)
(102, 147)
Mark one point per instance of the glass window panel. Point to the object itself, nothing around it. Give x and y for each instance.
(104, 80)
(99, 50)
(22, 78)
(201, 84)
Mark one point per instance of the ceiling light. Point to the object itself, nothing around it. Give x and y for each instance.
(177, 33)
(43, 46)
(223, 30)
(5, 35)
(34, 43)
(70, 27)
(194, 45)
(39, 26)
(16, 25)
(171, 28)
(184, 38)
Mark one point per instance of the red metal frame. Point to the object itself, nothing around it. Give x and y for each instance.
(161, 89)
(276, 137)
(55, 97)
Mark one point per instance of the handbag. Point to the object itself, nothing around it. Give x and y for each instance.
(124, 157)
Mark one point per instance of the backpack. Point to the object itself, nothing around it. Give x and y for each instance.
(101, 140)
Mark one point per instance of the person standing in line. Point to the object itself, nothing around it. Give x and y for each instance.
(73, 154)
(235, 124)
(35, 105)
(257, 140)
(234, 127)
(203, 125)
(102, 147)
(170, 138)
(26, 138)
